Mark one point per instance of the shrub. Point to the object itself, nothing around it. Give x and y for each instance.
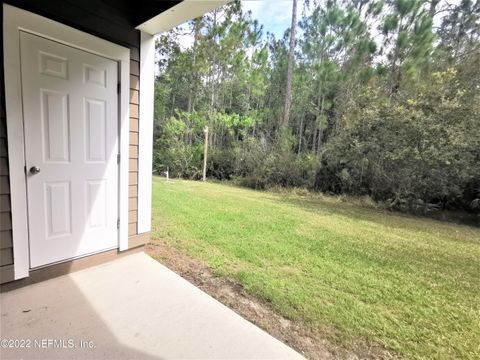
(413, 155)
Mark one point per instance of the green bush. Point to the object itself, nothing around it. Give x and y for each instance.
(263, 165)
(221, 164)
(416, 155)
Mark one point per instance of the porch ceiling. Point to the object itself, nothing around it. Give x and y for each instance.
(132, 307)
(182, 11)
(118, 16)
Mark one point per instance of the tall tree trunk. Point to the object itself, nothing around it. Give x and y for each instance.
(191, 100)
(173, 103)
(314, 138)
(214, 62)
(319, 140)
(300, 134)
(288, 92)
(320, 126)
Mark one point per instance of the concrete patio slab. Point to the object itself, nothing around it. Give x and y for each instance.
(130, 308)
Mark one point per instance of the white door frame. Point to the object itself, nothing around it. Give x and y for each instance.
(14, 21)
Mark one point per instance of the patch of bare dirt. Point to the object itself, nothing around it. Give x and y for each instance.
(311, 343)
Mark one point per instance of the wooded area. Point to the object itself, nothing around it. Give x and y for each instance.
(385, 101)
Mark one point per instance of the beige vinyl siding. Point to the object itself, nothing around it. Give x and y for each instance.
(132, 190)
(6, 246)
(4, 185)
(133, 163)
(138, 240)
(6, 256)
(6, 239)
(132, 216)
(132, 205)
(133, 151)
(132, 230)
(134, 239)
(134, 123)
(4, 203)
(133, 136)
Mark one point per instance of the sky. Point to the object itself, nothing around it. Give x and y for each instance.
(275, 15)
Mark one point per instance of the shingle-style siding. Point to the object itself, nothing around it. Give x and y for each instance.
(6, 245)
(5, 239)
(107, 19)
(133, 151)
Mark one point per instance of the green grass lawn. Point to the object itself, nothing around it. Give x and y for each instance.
(352, 272)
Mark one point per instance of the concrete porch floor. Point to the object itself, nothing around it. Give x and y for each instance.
(130, 308)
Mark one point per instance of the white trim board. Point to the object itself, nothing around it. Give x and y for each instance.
(145, 132)
(14, 21)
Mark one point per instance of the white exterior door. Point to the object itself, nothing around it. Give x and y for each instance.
(70, 109)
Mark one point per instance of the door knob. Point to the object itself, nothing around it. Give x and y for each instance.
(34, 170)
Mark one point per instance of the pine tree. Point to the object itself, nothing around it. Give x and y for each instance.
(291, 53)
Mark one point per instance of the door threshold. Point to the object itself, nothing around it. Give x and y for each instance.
(73, 258)
(63, 268)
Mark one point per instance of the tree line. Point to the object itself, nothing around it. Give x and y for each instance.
(359, 97)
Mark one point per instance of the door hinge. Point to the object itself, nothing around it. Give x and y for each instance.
(118, 88)
(118, 158)
(118, 223)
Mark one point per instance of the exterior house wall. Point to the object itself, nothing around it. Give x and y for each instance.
(6, 252)
(6, 245)
(104, 19)
(133, 153)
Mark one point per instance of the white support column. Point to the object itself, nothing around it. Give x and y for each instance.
(145, 129)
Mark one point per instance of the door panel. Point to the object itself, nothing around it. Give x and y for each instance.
(57, 209)
(95, 126)
(70, 110)
(55, 126)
